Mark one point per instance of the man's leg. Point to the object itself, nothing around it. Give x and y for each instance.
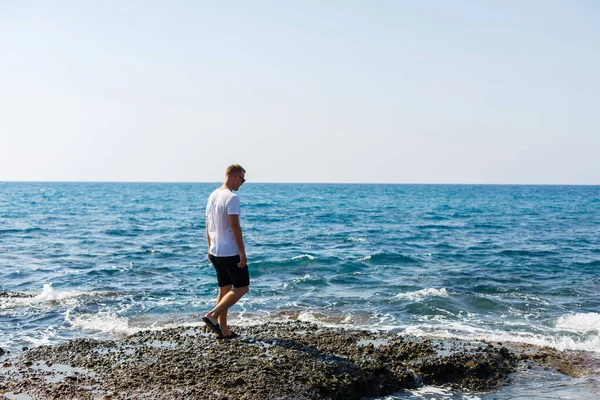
(223, 290)
(228, 299)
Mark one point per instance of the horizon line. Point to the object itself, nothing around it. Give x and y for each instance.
(313, 183)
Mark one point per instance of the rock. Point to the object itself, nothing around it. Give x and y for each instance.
(505, 353)
(277, 360)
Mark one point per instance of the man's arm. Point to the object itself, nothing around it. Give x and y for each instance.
(208, 237)
(236, 229)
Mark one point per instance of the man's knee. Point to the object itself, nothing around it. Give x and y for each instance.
(242, 290)
(225, 289)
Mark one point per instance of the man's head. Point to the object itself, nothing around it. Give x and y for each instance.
(235, 176)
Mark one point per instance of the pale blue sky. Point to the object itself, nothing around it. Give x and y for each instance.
(304, 91)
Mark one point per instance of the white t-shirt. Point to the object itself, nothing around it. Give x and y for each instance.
(221, 204)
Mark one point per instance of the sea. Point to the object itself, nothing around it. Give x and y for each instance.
(496, 262)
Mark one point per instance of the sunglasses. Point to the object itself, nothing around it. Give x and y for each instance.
(243, 180)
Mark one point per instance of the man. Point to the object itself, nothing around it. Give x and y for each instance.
(226, 249)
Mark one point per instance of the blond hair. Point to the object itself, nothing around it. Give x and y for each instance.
(234, 169)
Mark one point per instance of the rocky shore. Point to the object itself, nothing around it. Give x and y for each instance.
(292, 360)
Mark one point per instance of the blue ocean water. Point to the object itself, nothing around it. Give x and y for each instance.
(506, 263)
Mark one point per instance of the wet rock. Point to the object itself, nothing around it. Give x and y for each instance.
(278, 360)
(505, 353)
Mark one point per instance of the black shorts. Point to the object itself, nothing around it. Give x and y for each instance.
(228, 272)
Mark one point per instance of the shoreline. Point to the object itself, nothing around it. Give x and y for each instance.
(294, 360)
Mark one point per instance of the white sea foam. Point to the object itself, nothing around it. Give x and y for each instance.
(48, 295)
(308, 316)
(341, 321)
(304, 278)
(582, 323)
(44, 337)
(102, 322)
(304, 257)
(111, 323)
(440, 327)
(365, 258)
(462, 331)
(434, 392)
(353, 239)
(421, 294)
(251, 319)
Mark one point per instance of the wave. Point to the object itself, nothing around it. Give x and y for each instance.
(332, 320)
(304, 278)
(304, 257)
(123, 232)
(581, 323)
(528, 253)
(390, 258)
(585, 265)
(444, 246)
(457, 330)
(102, 322)
(435, 226)
(355, 239)
(260, 205)
(435, 217)
(295, 282)
(111, 323)
(48, 295)
(489, 226)
(25, 230)
(435, 327)
(421, 294)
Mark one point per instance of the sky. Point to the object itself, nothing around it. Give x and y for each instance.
(492, 92)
